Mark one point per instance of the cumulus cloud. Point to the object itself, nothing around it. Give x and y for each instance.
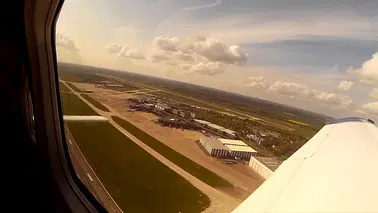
(65, 41)
(184, 56)
(200, 38)
(291, 89)
(114, 48)
(371, 108)
(374, 93)
(201, 51)
(167, 44)
(257, 82)
(207, 68)
(134, 53)
(333, 99)
(345, 85)
(368, 73)
(215, 50)
(157, 56)
(295, 90)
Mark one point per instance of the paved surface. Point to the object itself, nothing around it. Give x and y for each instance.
(220, 202)
(88, 176)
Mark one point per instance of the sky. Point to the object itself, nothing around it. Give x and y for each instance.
(319, 55)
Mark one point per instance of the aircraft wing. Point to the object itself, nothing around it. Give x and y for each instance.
(84, 118)
(335, 171)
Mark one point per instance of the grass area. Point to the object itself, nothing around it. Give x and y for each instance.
(95, 103)
(306, 132)
(63, 87)
(135, 179)
(180, 160)
(67, 76)
(73, 87)
(73, 105)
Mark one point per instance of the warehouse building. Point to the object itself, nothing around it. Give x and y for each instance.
(201, 122)
(214, 147)
(232, 142)
(244, 152)
(238, 148)
(220, 129)
(229, 133)
(219, 147)
(215, 127)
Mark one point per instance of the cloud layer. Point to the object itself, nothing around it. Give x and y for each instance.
(368, 73)
(374, 93)
(134, 53)
(207, 68)
(205, 55)
(291, 89)
(296, 90)
(114, 48)
(345, 85)
(215, 50)
(167, 44)
(257, 82)
(124, 51)
(65, 41)
(371, 108)
(199, 54)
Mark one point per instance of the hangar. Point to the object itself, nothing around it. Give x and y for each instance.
(214, 147)
(219, 147)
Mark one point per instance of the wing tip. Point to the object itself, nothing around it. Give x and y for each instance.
(351, 119)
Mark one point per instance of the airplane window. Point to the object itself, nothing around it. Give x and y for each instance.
(189, 106)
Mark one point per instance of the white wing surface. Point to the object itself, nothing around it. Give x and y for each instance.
(84, 118)
(335, 171)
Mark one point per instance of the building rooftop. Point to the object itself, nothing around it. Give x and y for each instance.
(114, 85)
(201, 121)
(232, 142)
(214, 143)
(162, 105)
(215, 126)
(239, 148)
(229, 131)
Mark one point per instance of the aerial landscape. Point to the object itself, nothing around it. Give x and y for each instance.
(174, 120)
(190, 106)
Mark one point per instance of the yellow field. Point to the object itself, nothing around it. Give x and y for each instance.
(298, 122)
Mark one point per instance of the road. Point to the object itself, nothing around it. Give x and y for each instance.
(89, 178)
(220, 202)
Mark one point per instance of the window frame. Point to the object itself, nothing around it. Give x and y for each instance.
(40, 18)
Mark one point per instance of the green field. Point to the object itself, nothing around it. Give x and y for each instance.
(136, 180)
(180, 160)
(63, 87)
(95, 103)
(68, 76)
(73, 87)
(73, 105)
